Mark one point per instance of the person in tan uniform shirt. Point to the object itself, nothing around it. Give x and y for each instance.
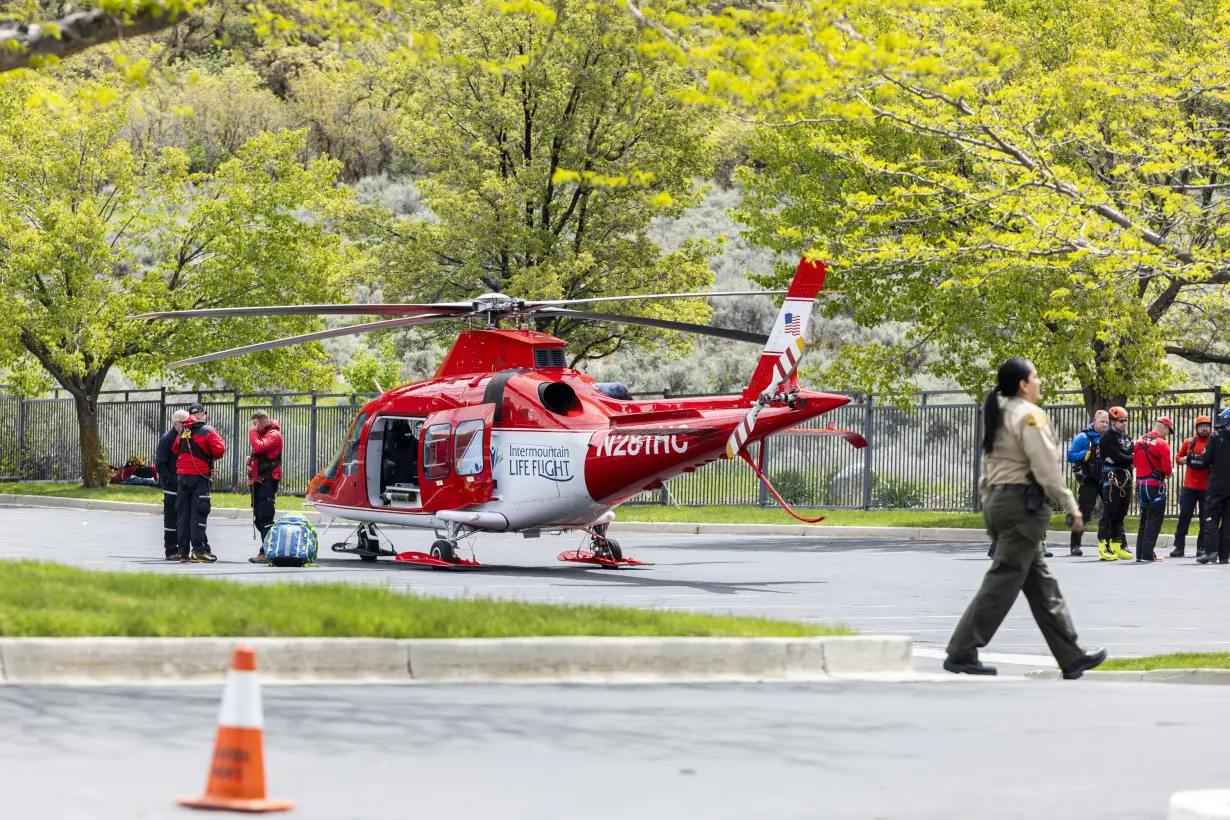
(1020, 472)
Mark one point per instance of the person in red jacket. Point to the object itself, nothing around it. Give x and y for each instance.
(196, 449)
(1195, 487)
(264, 473)
(1154, 464)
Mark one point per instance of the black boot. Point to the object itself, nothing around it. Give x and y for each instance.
(974, 667)
(1076, 552)
(1177, 552)
(1086, 662)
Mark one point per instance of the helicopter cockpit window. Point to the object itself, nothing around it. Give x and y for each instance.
(435, 452)
(349, 455)
(468, 445)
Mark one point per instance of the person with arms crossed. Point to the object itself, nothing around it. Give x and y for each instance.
(1216, 521)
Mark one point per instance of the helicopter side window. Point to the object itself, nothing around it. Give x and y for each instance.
(468, 445)
(349, 454)
(435, 452)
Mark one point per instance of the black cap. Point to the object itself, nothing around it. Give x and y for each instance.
(195, 407)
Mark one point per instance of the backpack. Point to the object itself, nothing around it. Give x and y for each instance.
(1089, 470)
(291, 542)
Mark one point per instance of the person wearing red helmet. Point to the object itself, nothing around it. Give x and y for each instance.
(1154, 464)
(1195, 487)
(1115, 450)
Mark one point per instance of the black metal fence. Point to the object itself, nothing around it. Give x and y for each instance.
(39, 437)
(925, 459)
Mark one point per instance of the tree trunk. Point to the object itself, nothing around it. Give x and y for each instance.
(93, 459)
(1095, 401)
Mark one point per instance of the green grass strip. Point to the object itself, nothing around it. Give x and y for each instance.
(1177, 660)
(49, 600)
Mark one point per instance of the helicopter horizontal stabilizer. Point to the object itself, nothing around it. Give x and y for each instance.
(783, 370)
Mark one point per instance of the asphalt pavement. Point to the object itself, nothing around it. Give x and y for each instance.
(942, 746)
(958, 749)
(881, 586)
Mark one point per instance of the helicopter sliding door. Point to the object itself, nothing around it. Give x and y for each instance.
(455, 462)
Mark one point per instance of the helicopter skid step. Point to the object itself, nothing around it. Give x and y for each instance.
(344, 547)
(423, 559)
(587, 557)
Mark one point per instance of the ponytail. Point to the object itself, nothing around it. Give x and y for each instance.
(992, 417)
(1008, 384)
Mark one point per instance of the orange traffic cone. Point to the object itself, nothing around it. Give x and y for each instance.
(237, 775)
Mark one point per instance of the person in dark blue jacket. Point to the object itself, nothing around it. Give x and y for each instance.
(1087, 468)
(164, 463)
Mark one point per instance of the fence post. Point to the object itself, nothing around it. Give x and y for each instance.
(1216, 400)
(21, 433)
(235, 442)
(312, 437)
(867, 455)
(763, 458)
(977, 456)
(162, 413)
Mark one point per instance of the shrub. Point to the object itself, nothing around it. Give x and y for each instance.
(893, 492)
(792, 486)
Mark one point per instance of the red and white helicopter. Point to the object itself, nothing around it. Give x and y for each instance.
(506, 438)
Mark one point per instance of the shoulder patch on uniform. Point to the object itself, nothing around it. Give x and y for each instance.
(1037, 419)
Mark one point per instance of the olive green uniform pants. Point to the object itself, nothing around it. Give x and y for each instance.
(1018, 535)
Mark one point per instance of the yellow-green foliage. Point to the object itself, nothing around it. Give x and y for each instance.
(546, 161)
(1012, 177)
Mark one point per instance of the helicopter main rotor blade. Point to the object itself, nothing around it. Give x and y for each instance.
(558, 302)
(619, 318)
(311, 310)
(310, 337)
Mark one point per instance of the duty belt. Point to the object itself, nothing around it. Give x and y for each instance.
(1013, 488)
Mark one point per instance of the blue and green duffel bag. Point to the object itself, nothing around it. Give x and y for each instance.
(291, 542)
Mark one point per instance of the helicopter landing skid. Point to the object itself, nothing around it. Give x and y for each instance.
(587, 557)
(425, 560)
(371, 554)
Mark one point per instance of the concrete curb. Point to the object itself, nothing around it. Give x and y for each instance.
(1054, 538)
(554, 660)
(1201, 676)
(1206, 804)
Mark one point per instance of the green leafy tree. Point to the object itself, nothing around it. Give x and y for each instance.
(92, 232)
(1011, 177)
(370, 372)
(546, 162)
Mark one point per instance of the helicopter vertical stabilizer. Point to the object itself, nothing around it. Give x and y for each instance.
(790, 327)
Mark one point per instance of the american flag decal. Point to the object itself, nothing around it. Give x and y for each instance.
(792, 324)
(783, 369)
